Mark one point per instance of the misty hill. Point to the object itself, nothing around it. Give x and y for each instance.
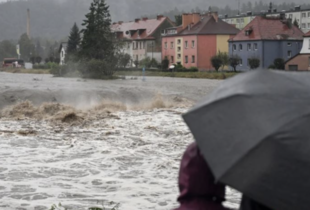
(54, 18)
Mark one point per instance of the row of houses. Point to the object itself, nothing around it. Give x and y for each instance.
(202, 36)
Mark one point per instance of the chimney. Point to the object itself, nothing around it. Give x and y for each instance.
(215, 16)
(137, 20)
(159, 17)
(145, 19)
(190, 19)
(28, 23)
(274, 10)
(120, 22)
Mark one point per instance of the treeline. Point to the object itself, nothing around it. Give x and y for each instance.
(33, 50)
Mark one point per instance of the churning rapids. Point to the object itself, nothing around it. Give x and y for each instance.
(79, 141)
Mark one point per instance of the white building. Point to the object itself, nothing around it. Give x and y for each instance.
(142, 37)
(63, 53)
(302, 16)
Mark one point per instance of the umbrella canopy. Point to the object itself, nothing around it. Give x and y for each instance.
(172, 67)
(254, 132)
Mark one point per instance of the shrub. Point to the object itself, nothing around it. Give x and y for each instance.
(234, 61)
(254, 62)
(165, 63)
(216, 62)
(279, 63)
(97, 69)
(271, 66)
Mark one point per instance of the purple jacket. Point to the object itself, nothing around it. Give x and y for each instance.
(197, 184)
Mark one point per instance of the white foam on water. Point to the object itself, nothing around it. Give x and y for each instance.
(131, 158)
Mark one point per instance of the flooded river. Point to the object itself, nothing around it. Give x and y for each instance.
(80, 142)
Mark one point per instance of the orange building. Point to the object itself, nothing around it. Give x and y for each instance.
(198, 39)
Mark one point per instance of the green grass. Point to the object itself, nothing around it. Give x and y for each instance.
(198, 75)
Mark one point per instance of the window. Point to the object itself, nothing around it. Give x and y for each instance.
(240, 62)
(291, 16)
(303, 25)
(308, 14)
(240, 47)
(128, 45)
(289, 44)
(193, 59)
(186, 44)
(309, 43)
(186, 59)
(179, 41)
(140, 45)
(137, 45)
(143, 44)
(172, 59)
(165, 45)
(234, 47)
(248, 62)
(193, 44)
(249, 47)
(309, 25)
(179, 49)
(179, 56)
(309, 61)
(289, 54)
(303, 15)
(172, 45)
(255, 46)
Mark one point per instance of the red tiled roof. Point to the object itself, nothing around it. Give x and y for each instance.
(307, 34)
(146, 26)
(269, 29)
(208, 26)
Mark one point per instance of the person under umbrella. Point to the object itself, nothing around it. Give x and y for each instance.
(249, 204)
(198, 190)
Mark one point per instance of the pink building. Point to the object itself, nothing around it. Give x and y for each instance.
(198, 39)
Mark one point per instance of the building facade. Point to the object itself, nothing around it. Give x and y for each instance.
(266, 38)
(198, 39)
(302, 16)
(301, 62)
(142, 37)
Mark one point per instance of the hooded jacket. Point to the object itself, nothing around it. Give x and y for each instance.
(198, 190)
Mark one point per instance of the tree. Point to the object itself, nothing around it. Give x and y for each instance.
(279, 64)
(224, 58)
(7, 50)
(27, 49)
(216, 62)
(296, 23)
(254, 62)
(234, 61)
(97, 40)
(124, 59)
(74, 40)
(165, 63)
(178, 20)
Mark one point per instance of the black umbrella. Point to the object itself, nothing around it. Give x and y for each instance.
(254, 132)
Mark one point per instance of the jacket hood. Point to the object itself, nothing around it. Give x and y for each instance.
(196, 179)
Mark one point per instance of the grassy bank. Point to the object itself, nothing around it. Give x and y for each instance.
(25, 71)
(199, 75)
